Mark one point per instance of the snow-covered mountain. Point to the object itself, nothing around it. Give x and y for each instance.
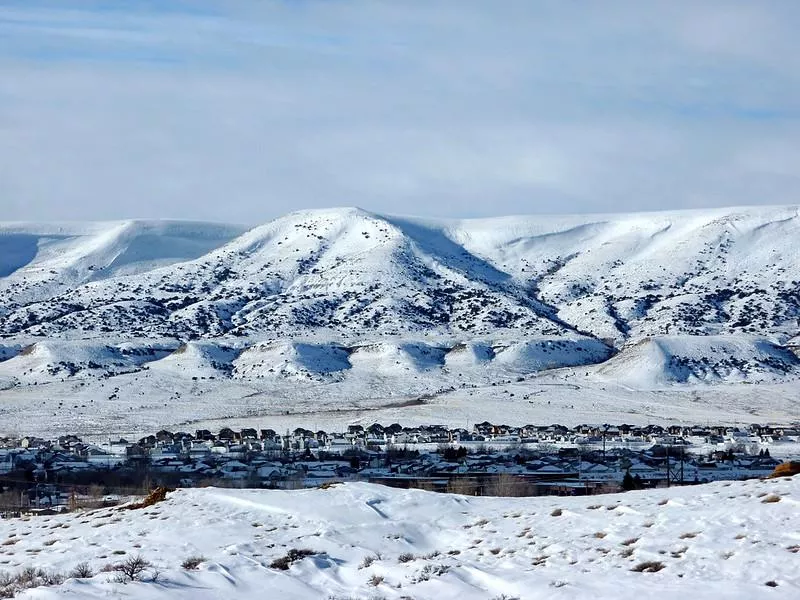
(389, 306)
(346, 273)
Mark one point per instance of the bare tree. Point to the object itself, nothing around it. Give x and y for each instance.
(462, 485)
(132, 568)
(506, 484)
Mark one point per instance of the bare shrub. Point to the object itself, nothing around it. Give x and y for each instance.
(375, 580)
(430, 571)
(191, 563)
(406, 557)
(132, 568)
(283, 563)
(50, 578)
(30, 577)
(81, 571)
(368, 560)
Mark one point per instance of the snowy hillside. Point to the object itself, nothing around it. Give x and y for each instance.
(39, 261)
(44, 361)
(722, 540)
(709, 359)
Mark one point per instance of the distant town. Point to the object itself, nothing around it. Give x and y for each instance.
(38, 474)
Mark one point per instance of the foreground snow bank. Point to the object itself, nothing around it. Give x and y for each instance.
(724, 540)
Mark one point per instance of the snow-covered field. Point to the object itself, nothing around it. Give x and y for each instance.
(723, 540)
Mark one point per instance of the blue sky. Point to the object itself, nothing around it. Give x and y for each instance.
(244, 110)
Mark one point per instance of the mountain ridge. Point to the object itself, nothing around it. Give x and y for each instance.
(352, 271)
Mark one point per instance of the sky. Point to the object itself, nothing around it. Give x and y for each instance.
(240, 111)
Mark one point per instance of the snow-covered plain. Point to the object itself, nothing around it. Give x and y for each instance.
(321, 318)
(722, 540)
(140, 403)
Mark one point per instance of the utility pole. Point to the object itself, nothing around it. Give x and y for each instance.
(671, 477)
(605, 431)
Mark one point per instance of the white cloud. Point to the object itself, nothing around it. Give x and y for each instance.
(241, 111)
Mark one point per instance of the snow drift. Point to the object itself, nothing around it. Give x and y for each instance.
(724, 540)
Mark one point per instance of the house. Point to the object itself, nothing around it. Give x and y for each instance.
(233, 469)
(118, 447)
(165, 436)
(269, 434)
(249, 434)
(227, 434)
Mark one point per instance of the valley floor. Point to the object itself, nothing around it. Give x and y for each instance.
(723, 540)
(141, 403)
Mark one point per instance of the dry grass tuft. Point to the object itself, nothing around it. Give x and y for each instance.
(630, 541)
(786, 469)
(649, 566)
(157, 495)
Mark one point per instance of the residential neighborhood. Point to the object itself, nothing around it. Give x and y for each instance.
(489, 459)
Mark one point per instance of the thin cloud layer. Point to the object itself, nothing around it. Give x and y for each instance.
(241, 111)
